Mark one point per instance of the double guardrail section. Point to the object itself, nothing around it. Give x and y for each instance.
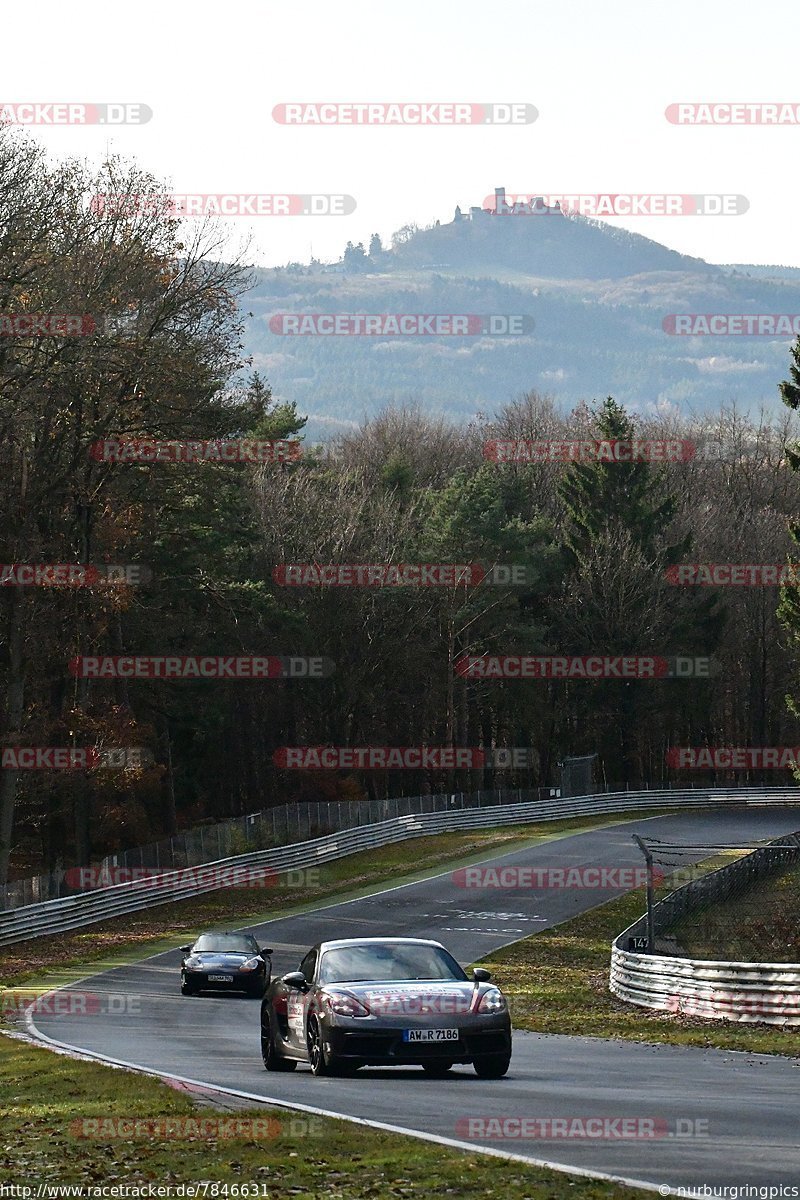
(75, 912)
(736, 991)
(767, 992)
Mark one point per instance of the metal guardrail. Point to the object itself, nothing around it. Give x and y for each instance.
(74, 912)
(268, 829)
(734, 991)
(283, 825)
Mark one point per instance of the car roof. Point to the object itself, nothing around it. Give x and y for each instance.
(339, 943)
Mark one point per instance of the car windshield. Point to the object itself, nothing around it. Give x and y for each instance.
(225, 943)
(388, 961)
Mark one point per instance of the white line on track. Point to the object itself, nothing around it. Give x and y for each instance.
(273, 1102)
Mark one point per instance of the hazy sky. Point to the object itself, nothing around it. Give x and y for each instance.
(600, 75)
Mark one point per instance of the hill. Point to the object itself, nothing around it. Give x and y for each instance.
(554, 245)
(597, 297)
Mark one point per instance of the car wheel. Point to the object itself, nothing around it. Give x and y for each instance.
(438, 1068)
(273, 1061)
(492, 1066)
(321, 1064)
(188, 989)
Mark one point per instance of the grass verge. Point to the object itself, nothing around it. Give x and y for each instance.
(759, 924)
(300, 1156)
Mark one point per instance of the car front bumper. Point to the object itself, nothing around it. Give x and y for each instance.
(382, 1044)
(242, 980)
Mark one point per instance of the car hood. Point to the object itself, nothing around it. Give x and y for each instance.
(415, 998)
(216, 958)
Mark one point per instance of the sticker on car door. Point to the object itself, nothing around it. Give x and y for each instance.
(295, 1006)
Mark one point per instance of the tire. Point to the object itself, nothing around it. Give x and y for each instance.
(273, 1061)
(321, 1063)
(438, 1068)
(492, 1066)
(188, 989)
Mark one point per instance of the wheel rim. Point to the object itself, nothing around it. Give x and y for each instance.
(314, 1044)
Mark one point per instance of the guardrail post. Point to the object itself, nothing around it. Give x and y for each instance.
(648, 858)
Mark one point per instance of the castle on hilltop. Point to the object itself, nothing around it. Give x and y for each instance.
(534, 207)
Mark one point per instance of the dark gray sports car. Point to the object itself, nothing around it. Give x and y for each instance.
(384, 1002)
(225, 962)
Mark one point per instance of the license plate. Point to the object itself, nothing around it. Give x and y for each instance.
(430, 1035)
(220, 979)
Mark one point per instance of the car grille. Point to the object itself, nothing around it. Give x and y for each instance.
(358, 1043)
(430, 1049)
(393, 1046)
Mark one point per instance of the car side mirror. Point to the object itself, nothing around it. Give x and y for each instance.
(266, 952)
(185, 949)
(481, 975)
(296, 980)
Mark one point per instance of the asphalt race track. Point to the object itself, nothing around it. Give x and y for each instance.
(751, 1103)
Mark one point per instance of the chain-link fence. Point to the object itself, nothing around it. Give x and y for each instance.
(577, 775)
(284, 824)
(724, 902)
(281, 825)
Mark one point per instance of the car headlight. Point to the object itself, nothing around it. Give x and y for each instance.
(252, 964)
(343, 1004)
(192, 964)
(492, 1001)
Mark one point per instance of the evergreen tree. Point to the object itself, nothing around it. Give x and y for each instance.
(789, 605)
(617, 536)
(599, 494)
(355, 258)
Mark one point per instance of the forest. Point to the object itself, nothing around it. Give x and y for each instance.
(188, 557)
